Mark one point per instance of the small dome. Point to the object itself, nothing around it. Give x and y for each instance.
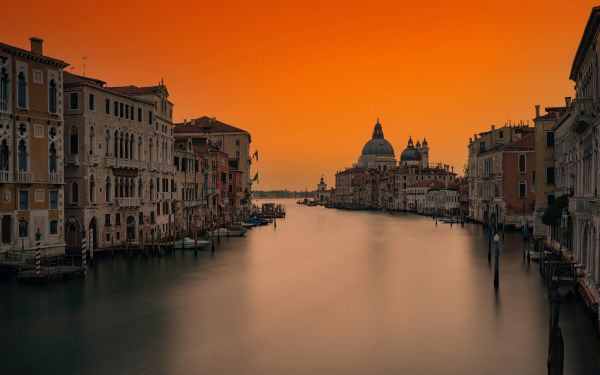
(410, 154)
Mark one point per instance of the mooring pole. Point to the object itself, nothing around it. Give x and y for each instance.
(38, 253)
(496, 261)
(83, 251)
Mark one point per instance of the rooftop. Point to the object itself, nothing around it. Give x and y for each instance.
(205, 125)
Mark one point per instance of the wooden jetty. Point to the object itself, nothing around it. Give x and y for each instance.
(54, 268)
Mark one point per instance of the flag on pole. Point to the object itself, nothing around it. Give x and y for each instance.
(256, 178)
(255, 155)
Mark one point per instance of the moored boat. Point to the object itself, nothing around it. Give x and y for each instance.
(232, 231)
(190, 244)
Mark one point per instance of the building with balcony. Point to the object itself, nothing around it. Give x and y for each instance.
(118, 163)
(31, 149)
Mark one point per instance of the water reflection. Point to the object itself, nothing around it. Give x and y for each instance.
(326, 291)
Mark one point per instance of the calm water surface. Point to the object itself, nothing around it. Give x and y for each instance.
(326, 292)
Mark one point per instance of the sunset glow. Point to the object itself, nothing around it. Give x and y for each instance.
(309, 79)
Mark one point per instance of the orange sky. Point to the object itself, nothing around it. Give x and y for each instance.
(309, 78)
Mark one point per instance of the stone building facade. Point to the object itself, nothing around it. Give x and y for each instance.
(31, 149)
(118, 163)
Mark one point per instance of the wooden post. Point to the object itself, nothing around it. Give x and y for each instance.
(195, 241)
(83, 251)
(91, 245)
(496, 261)
(38, 254)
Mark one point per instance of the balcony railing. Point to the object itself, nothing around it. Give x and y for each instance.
(154, 166)
(127, 163)
(109, 161)
(4, 105)
(56, 178)
(4, 176)
(585, 112)
(72, 160)
(94, 159)
(580, 205)
(128, 202)
(25, 177)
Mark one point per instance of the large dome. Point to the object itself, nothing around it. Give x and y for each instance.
(378, 145)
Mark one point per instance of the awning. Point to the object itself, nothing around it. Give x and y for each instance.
(553, 214)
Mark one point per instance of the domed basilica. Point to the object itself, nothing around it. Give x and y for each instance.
(379, 154)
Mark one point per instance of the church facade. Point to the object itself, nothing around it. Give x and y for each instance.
(379, 181)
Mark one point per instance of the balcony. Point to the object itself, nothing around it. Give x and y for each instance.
(72, 160)
(154, 166)
(109, 161)
(4, 105)
(585, 113)
(25, 177)
(580, 206)
(56, 178)
(127, 163)
(94, 159)
(128, 202)
(4, 176)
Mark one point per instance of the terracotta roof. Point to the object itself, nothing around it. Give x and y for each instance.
(70, 78)
(553, 113)
(33, 56)
(205, 124)
(353, 170)
(526, 142)
(136, 90)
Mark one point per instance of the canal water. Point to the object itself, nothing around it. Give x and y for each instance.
(325, 292)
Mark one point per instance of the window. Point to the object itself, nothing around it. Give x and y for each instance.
(39, 196)
(107, 189)
(150, 118)
(141, 218)
(22, 91)
(126, 111)
(74, 192)
(53, 227)
(107, 106)
(52, 94)
(4, 156)
(116, 109)
(107, 220)
(23, 228)
(92, 102)
(6, 228)
(237, 142)
(53, 199)
(522, 189)
(3, 90)
(481, 146)
(52, 158)
(521, 163)
(22, 156)
(74, 141)
(74, 100)
(121, 109)
(550, 175)
(139, 115)
(501, 134)
(23, 200)
(117, 219)
(549, 139)
(550, 199)
(92, 189)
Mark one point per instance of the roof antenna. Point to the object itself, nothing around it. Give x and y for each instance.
(84, 59)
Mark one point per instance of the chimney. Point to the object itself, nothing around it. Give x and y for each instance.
(36, 45)
(537, 110)
(568, 101)
(493, 127)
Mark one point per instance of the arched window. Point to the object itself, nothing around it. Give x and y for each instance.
(150, 158)
(121, 146)
(3, 90)
(92, 189)
(74, 141)
(139, 155)
(108, 189)
(521, 163)
(4, 156)
(92, 140)
(116, 145)
(52, 158)
(74, 192)
(22, 91)
(140, 188)
(22, 156)
(52, 94)
(116, 187)
(151, 189)
(131, 146)
(126, 146)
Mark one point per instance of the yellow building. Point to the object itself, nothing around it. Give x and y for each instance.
(31, 144)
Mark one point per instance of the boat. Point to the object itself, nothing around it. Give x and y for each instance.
(190, 244)
(535, 255)
(232, 231)
(254, 221)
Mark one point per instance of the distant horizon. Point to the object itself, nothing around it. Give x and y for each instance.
(308, 80)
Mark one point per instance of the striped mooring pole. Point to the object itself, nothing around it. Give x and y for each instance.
(38, 253)
(83, 251)
(91, 244)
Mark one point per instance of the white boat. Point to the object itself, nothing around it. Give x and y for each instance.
(190, 244)
(234, 231)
